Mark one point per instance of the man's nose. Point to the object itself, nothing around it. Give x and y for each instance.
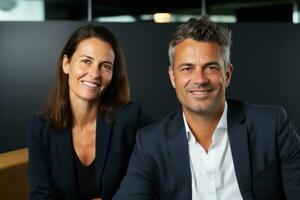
(199, 76)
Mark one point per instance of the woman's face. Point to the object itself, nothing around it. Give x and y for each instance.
(90, 69)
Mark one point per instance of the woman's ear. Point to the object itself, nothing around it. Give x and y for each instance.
(66, 64)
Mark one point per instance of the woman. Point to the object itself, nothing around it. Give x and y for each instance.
(79, 147)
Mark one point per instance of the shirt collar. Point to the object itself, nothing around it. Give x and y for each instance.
(222, 124)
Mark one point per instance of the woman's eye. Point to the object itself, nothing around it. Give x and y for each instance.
(107, 67)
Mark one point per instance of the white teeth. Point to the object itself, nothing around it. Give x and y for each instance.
(89, 84)
(200, 92)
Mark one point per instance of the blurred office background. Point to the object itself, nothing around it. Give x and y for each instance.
(265, 51)
(265, 54)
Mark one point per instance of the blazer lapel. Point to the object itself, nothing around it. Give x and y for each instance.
(178, 148)
(238, 138)
(63, 169)
(103, 133)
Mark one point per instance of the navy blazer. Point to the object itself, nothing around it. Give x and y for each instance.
(51, 156)
(265, 149)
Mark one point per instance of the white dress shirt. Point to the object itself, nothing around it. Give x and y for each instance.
(212, 173)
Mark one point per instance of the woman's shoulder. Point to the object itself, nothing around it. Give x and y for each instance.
(134, 113)
(38, 120)
(129, 110)
(37, 136)
(131, 106)
(38, 126)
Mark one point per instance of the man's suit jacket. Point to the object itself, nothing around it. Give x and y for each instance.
(51, 156)
(265, 149)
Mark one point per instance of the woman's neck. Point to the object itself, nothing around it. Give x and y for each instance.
(84, 112)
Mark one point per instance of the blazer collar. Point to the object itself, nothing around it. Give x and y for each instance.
(103, 135)
(63, 164)
(238, 138)
(178, 147)
(239, 144)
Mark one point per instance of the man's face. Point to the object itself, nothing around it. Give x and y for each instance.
(199, 77)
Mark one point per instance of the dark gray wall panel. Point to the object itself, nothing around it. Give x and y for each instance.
(265, 57)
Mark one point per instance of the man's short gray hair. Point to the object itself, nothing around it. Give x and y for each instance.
(202, 30)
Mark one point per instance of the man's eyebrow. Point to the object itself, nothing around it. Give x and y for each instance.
(185, 64)
(205, 64)
(212, 63)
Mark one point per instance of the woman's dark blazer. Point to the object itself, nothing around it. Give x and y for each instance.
(51, 156)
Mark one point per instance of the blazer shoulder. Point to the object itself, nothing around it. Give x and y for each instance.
(154, 138)
(159, 129)
(37, 122)
(131, 107)
(133, 114)
(38, 130)
(256, 110)
(266, 118)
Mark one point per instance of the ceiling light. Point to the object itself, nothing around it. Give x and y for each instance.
(119, 18)
(223, 18)
(162, 17)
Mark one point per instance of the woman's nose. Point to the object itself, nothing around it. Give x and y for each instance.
(95, 70)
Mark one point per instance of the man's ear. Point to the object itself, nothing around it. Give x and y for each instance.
(66, 64)
(228, 74)
(171, 76)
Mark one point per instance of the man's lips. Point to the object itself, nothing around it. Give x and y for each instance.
(200, 93)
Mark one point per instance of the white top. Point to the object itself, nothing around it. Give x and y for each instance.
(212, 173)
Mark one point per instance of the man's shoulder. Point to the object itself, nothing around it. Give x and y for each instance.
(161, 127)
(255, 111)
(154, 138)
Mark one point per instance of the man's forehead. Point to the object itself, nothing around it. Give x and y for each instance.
(191, 49)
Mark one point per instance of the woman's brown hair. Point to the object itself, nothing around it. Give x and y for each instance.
(57, 109)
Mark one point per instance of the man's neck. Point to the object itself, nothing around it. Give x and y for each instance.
(203, 126)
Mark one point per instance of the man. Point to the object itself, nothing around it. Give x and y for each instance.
(213, 148)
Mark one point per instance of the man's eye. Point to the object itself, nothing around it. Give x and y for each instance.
(187, 68)
(86, 61)
(212, 68)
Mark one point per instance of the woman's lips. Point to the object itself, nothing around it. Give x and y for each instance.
(90, 84)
